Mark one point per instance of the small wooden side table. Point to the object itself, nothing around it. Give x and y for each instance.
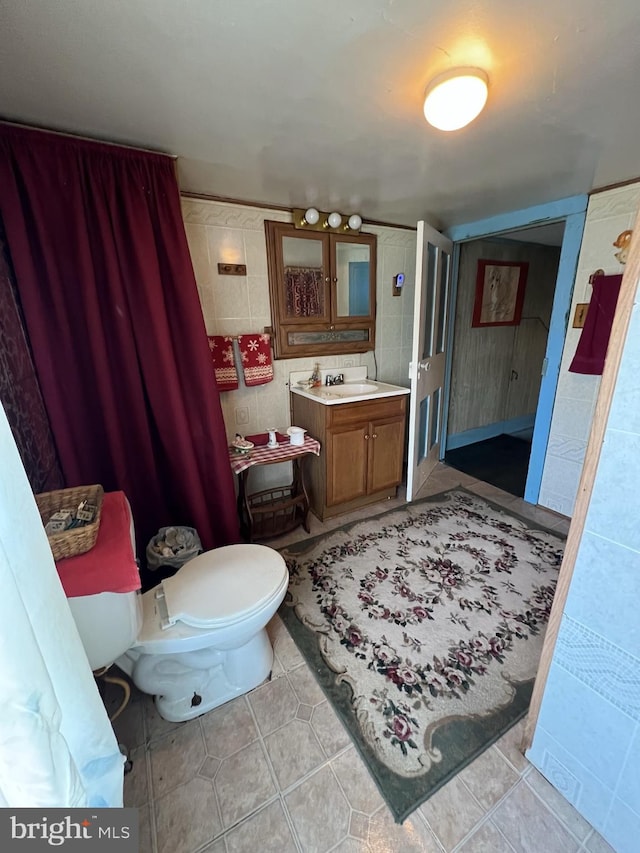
(272, 512)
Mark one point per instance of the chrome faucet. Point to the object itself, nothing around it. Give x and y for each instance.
(338, 379)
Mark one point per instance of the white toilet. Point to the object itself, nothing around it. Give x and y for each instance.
(196, 640)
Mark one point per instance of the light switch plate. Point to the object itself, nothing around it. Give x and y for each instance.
(232, 269)
(580, 315)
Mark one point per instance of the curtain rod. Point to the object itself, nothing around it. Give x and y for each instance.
(87, 138)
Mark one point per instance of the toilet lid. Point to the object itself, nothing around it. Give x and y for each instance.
(224, 584)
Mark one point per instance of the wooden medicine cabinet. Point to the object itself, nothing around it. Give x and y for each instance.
(322, 288)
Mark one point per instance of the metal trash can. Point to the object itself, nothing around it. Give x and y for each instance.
(173, 547)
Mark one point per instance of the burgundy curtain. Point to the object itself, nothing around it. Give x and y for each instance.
(112, 314)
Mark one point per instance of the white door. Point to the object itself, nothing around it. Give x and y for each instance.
(427, 368)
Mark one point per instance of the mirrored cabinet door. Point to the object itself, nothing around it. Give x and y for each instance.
(353, 278)
(305, 278)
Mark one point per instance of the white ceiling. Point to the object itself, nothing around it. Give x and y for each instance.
(297, 102)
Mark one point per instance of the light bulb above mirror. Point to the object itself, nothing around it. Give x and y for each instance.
(317, 220)
(311, 216)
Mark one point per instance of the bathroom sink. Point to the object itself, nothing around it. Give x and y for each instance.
(356, 388)
(348, 389)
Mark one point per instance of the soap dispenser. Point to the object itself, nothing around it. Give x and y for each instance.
(315, 377)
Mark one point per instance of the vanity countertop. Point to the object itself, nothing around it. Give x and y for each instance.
(355, 388)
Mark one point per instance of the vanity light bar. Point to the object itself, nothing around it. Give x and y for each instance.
(318, 220)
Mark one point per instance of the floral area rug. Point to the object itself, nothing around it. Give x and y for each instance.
(424, 627)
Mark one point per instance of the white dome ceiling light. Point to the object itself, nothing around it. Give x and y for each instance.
(454, 99)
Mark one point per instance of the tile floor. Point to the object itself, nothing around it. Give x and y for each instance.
(275, 770)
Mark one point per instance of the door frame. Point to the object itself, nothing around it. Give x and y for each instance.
(573, 212)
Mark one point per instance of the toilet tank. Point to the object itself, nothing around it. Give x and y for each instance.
(108, 624)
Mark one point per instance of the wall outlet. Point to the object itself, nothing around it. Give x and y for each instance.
(348, 362)
(242, 415)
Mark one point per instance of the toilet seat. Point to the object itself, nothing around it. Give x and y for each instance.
(221, 586)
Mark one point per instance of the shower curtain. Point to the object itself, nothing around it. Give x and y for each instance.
(57, 747)
(112, 315)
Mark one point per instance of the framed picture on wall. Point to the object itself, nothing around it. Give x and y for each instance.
(500, 289)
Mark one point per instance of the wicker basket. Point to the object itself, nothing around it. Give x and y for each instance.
(68, 543)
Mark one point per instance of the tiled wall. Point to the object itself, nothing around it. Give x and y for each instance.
(608, 214)
(222, 232)
(587, 741)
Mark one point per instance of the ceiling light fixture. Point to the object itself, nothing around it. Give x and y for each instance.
(455, 98)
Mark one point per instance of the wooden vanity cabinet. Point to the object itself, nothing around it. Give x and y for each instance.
(362, 451)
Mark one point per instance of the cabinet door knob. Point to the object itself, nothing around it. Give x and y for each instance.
(366, 438)
(327, 278)
(335, 278)
(375, 435)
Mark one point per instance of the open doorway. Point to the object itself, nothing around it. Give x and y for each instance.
(498, 362)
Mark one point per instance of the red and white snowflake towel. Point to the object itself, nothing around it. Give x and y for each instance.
(255, 352)
(221, 347)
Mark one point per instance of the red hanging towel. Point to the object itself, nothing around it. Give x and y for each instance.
(594, 340)
(255, 352)
(221, 347)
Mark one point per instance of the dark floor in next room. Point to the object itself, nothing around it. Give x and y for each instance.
(502, 461)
